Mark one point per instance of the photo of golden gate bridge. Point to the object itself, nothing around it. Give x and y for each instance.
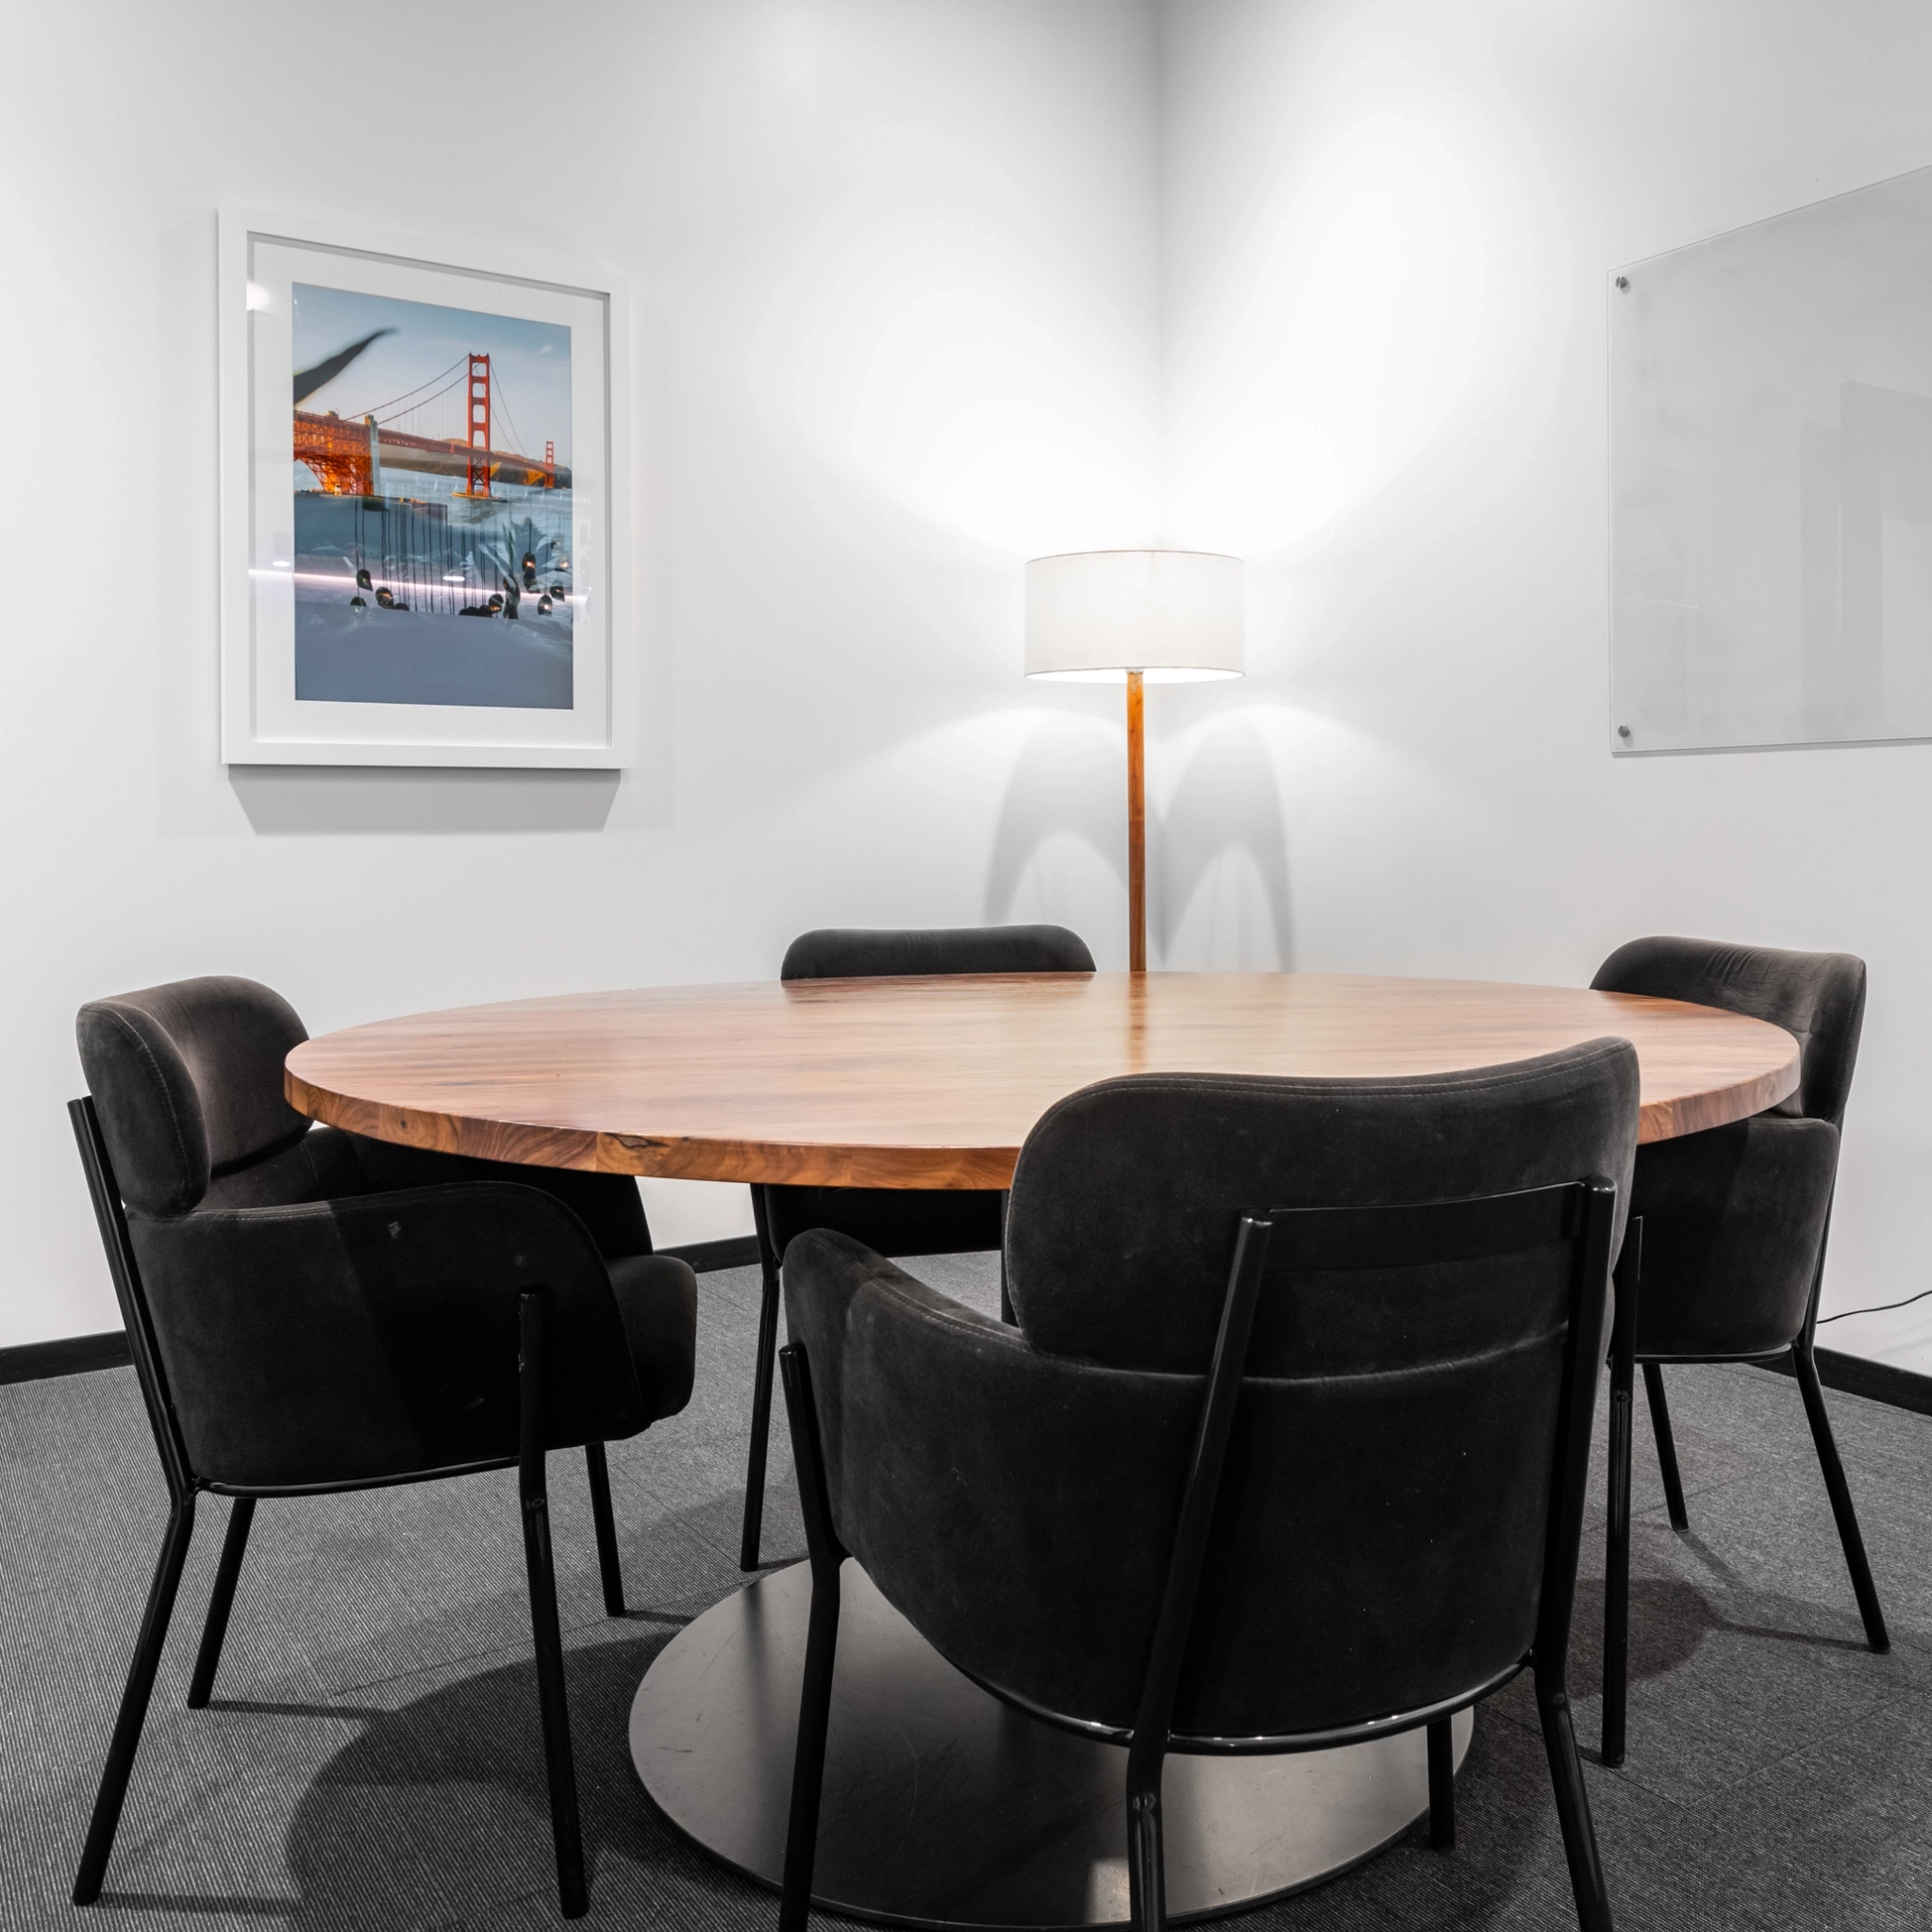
(432, 519)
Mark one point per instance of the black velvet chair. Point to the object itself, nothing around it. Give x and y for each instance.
(893, 1220)
(1286, 1449)
(310, 1312)
(1728, 1261)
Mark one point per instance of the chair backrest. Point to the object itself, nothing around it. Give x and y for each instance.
(865, 952)
(910, 1221)
(1816, 997)
(187, 1079)
(1399, 1453)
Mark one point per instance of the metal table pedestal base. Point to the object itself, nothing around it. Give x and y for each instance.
(944, 1808)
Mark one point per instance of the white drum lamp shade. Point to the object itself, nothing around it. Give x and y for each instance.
(1173, 615)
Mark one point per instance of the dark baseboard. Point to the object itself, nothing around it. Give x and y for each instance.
(1855, 1376)
(75, 1354)
(738, 1250)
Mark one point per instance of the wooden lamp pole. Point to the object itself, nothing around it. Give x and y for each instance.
(1137, 829)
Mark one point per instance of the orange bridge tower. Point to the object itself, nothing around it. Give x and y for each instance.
(478, 481)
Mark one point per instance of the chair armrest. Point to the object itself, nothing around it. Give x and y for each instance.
(981, 1483)
(1734, 1222)
(608, 1204)
(375, 1338)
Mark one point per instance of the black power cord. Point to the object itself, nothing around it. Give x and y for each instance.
(1882, 1307)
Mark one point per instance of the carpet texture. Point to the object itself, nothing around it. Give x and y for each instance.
(372, 1756)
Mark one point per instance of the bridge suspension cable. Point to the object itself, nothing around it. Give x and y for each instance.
(503, 404)
(378, 410)
(455, 382)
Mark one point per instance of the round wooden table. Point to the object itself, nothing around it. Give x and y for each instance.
(933, 1083)
(943, 1807)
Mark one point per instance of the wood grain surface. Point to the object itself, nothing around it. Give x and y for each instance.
(935, 1082)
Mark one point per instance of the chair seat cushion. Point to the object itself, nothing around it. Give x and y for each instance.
(657, 1298)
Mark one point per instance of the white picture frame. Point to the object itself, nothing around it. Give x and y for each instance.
(320, 665)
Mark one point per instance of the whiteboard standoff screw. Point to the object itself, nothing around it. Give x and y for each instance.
(1623, 281)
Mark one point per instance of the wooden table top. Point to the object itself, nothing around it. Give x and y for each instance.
(935, 1082)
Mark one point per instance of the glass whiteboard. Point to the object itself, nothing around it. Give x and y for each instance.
(1771, 481)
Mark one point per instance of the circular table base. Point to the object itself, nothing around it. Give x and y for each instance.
(945, 1808)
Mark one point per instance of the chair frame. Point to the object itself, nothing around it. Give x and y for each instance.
(185, 1485)
(1581, 1212)
(1624, 1363)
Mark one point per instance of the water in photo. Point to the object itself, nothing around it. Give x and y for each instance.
(432, 504)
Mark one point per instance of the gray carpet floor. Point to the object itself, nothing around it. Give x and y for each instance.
(372, 1757)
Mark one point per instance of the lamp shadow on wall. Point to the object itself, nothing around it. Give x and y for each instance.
(1068, 782)
(294, 800)
(1217, 855)
(1222, 859)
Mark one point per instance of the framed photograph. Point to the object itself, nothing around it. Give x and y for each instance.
(422, 509)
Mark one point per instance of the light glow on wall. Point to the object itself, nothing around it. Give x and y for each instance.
(947, 374)
(1341, 339)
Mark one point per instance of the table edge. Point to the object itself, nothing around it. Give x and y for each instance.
(681, 1157)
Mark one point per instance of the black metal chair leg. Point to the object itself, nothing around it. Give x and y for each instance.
(821, 1646)
(1573, 1804)
(1617, 1588)
(134, 1701)
(1443, 1786)
(1666, 1444)
(808, 1762)
(1867, 1592)
(1617, 1553)
(761, 1391)
(534, 1496)
(200, 1686)
(1153, 1719)
(608, 1564)
(1146, 1846)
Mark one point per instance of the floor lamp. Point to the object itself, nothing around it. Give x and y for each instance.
(1147, 617)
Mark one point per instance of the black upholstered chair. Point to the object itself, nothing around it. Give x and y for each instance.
(893, 1220)
(1285, 1448)
(310, 1312)
(1727, 1249)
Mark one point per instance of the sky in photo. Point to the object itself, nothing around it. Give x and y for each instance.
(530, 367)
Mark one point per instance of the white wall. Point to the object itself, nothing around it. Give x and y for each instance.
(906, 269)
(896, 262)
(1386, 231)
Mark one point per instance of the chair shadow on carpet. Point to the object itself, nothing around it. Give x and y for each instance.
(439, 1813)
(1671, 1618)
